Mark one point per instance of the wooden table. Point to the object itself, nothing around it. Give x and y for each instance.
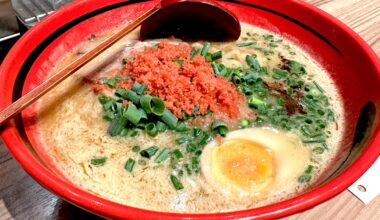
(22, 198)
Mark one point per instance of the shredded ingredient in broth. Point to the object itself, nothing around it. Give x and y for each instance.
(154, 122)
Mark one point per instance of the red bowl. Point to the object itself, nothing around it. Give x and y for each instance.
(354, 67)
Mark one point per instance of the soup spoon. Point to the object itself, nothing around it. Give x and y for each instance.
(187, 19)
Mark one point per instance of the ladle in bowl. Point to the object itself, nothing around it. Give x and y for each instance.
(161, 21)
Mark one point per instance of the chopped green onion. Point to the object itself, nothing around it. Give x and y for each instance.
(161, 127)
(188, 169)
(128, 95)
(244, 123)
(255, 102)
(318, 150)
(163, 155)
(123, 61)
(109, 116)
(180, 62)
(135, 133)
(111, 82)
(251, 77)
(129, 165)
(181, 127)
(305, 178)
(318, 87)
(191, 148)
(330, 115)
(215, 67)
(176, 183)
(216, 55)
(196, 131)
(279, 73)
(98, 161)
(152, 104)
(151, 129)
(117, 125)
(104, 99)
(182, 140)
(136, 148)
(143, 114)
(245, 44)
(268, 37)
(194, 52)
(253, 62)
(205, 49)
(124, 132)
(220, 127)
(314, 140)
(206, 138)
(309, 169)
(195, 163)
(296, 67)
(149, 152)
(132, 114)
(139, 88)
(208, 57)
(236, 79)
(170, 119)
(177, 153)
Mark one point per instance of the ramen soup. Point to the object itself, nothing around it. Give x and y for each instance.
(193, 127)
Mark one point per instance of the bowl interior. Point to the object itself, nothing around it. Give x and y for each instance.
(349, 61)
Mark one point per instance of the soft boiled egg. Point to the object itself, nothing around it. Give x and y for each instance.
(254, 161)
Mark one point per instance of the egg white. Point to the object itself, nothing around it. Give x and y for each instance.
(290, 158)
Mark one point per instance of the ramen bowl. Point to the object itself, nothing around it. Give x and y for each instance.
(352, 64)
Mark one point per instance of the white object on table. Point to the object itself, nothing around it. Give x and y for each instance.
(367, 187)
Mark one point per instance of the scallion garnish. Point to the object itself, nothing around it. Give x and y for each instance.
(215, 67)
(152, 104)
(181, 127)
(117, 125)
(205, 48)
(196, 131)
(216, 55)
(220, 127)
(128, 95)
(161, 127)
(136, 148)
(129, 165)
(254, 102)
(170, 119)
(244, 123)
(191, 148)
(245, 44)
(251, 77)
(177, 154)
(253, 62)
(149, 152)
(135, 133)
(194, 52)
(151, 129)
(98, 161)
(132, 114)
(182, 140)
(139, 88)
(124, 132)
(279, 73)
(163, 155)
(176, 183)
(111, 82)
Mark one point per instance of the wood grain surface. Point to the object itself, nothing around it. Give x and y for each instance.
(22, 198)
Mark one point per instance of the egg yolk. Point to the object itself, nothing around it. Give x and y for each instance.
(243, 164)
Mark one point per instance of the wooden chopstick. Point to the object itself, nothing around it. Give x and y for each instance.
(24, 101)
